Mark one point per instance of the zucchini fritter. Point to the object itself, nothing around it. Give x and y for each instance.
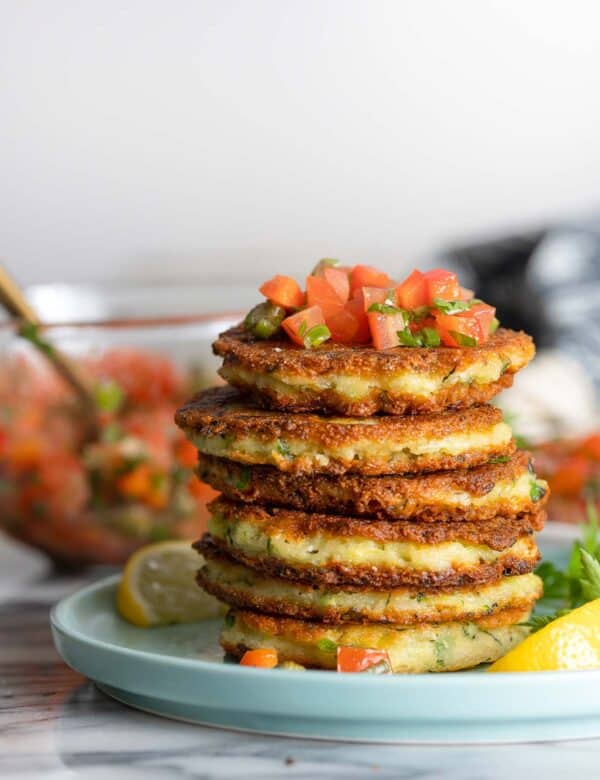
(441, 647)
(495, 489)
(333, 550)
(219, 422)
(244, 588)
(362, 381)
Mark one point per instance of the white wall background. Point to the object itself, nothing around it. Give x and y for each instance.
(221, 139)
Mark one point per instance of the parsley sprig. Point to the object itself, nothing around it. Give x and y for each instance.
(569, 588)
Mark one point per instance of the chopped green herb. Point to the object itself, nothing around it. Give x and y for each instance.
(536, 622)
(499, 459)
(463, 340)
(283, 448)
(243, 482)
(316, 336)
(590, 581)
(229, 620)
(385, 308)
(569, 588)
(264, 320)
(112, 433)
(109, 396)
(440, 647)
(453, 307)
(325, 262)
(537, 491)
(409, 339)
(326, 646)
(494, 325)
(419, 314)
(430, 337)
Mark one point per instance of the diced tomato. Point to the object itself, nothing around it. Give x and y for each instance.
(446, 324)
(283, 291)
(590, 446)
(186, 454)
(484, 314)
(320, 293)
(305, 320)
(384, 329)
(146, 378)
(413, 292)
(356, 307)
(570, 478)
(370, 295)
(137, 483)
(338, 279)
(367, 276)
(428, 322)
(360, 659)
(464, 294)
(200, 490)
(441, 284)
(343, 326)
(262, 657)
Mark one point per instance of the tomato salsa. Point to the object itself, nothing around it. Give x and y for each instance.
(95, 501)
(361, 305)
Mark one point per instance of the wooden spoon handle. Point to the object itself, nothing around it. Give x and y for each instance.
(14, 301)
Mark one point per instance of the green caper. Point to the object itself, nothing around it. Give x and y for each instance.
(264, 320)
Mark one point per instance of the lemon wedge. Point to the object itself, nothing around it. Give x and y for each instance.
(569, 642)
(159, 587)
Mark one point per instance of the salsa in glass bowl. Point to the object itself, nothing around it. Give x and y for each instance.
(94, 501)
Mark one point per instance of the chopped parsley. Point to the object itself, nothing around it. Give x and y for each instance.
(327, 646)
(537, 491)
(463, 340)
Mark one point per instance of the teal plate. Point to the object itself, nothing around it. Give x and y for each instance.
(178, 672)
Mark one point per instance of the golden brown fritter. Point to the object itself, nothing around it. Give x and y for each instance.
(362, 381)
(376, 555)
(293, 525)
(438, 647)
(477, 494)
(219, 422)
(244, 588)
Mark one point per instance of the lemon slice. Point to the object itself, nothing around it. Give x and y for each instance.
(159, 587)
(569, 642)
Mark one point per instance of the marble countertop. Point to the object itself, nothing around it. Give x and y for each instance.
(55, 724)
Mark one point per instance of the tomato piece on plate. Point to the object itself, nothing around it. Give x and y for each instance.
(590, 446)
(262, 657)
(413, 291)
(283, 291)
(484, 314)
(356, 307)
(343, 326)
(441, 284)
(458, 331)
(297, 325)
(384, 329)
(570, 478)
(320, 293)
(338, 279)
(367, 276)
(360, 659)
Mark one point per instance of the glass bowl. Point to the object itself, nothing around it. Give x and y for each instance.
(147, 349)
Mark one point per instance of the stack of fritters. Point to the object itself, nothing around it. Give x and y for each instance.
(410, 530)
